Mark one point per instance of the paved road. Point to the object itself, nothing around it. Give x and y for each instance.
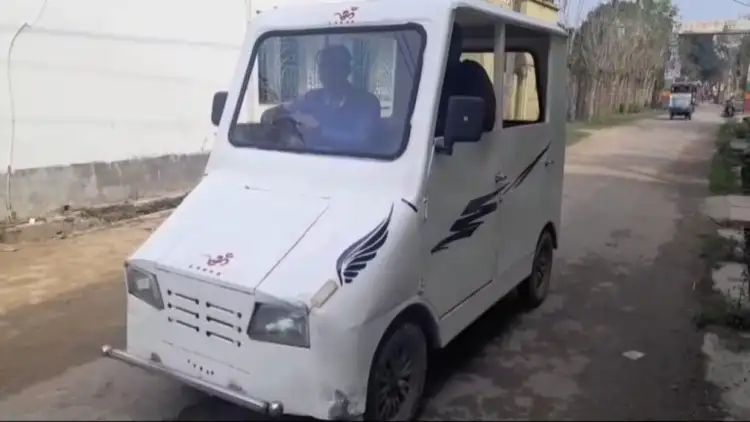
(623, 281)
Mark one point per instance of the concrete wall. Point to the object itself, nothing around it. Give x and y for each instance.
(107, 100)
(541, 9)
(103, 101)
(740, 26)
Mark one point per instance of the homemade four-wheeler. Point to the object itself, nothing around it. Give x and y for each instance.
(369, 195)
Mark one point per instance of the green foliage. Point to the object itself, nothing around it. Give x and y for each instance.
(740, 130)
(700, 58)
(722, 180)
(716, 249)
(619, 55)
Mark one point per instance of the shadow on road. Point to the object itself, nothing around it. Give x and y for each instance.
(489, 328)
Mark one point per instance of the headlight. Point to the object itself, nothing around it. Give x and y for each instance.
(280, 323)
(144, 286)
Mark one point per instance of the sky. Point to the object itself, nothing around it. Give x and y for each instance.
(690, 10)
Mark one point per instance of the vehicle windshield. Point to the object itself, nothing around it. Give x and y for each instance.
(680, 100)
(682, 89)
(331, 92)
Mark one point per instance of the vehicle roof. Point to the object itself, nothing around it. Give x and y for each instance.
(481, 7)
(510, 16)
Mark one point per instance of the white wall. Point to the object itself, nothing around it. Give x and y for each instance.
(108, 80)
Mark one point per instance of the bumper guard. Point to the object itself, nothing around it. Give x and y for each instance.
(274, 409)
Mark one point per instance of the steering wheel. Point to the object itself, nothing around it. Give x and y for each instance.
(287, 125)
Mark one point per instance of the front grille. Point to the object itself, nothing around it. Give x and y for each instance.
(207, 318)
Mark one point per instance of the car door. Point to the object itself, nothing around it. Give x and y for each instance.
(461, 228)
(525, 162)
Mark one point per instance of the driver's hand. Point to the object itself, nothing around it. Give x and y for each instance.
(306, 120)
(270, 115)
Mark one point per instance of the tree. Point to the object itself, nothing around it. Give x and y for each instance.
(619, 53)
(700, 58)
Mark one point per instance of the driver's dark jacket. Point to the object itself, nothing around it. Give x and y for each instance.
(347, 126)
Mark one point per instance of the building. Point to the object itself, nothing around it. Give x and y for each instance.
(105, 101)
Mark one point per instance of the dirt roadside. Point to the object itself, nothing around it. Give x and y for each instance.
(60, 299)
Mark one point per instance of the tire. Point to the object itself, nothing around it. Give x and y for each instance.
(671, 117)
(397, 375)
(533, 291)
(690, 117)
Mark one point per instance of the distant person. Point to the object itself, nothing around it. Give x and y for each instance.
(729, 107)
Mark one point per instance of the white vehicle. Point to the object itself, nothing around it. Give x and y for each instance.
(368, 197)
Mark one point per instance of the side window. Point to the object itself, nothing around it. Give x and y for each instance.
(523, 103)
(487, 60)
(467, 73)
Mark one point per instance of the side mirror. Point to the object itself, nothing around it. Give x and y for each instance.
(464, 122)
(220, 100)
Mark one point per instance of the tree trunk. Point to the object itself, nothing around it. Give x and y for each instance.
(583, 93)
(630, 93)
(622, 94)
(612, 103)
(572, 97)
(590, 106)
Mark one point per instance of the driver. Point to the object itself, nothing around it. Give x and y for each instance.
(337, 116)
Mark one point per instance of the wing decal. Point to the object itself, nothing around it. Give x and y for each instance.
(356, 257)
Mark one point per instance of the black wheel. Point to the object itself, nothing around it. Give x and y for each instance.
(690, 117)
(397, 376)
(671, 117)
(534, 289)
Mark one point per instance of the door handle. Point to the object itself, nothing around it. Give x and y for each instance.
(500, 177)
(549, 163)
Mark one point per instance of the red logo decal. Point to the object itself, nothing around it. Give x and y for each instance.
(347, 15)
(221, 260)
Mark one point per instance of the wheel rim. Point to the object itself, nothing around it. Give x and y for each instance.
(394, 383)
(542, 267)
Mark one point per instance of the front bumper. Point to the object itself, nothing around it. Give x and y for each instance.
(267, 408)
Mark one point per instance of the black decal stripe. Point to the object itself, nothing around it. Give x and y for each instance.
(410, 205)
(478, 202)
(478, 208)
(470, 219)
(527, 171)
(356, 257)
(467, 220)
(454, 237)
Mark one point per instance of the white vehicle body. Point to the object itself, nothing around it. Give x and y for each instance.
(356, 243)
(681, 102)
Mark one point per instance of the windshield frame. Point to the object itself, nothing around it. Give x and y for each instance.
(682, 88)
(419, 56)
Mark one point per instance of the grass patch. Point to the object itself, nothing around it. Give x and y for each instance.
(719, 312)
(577, 131)
(716, 249)
(722, 180)
(716, 309)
